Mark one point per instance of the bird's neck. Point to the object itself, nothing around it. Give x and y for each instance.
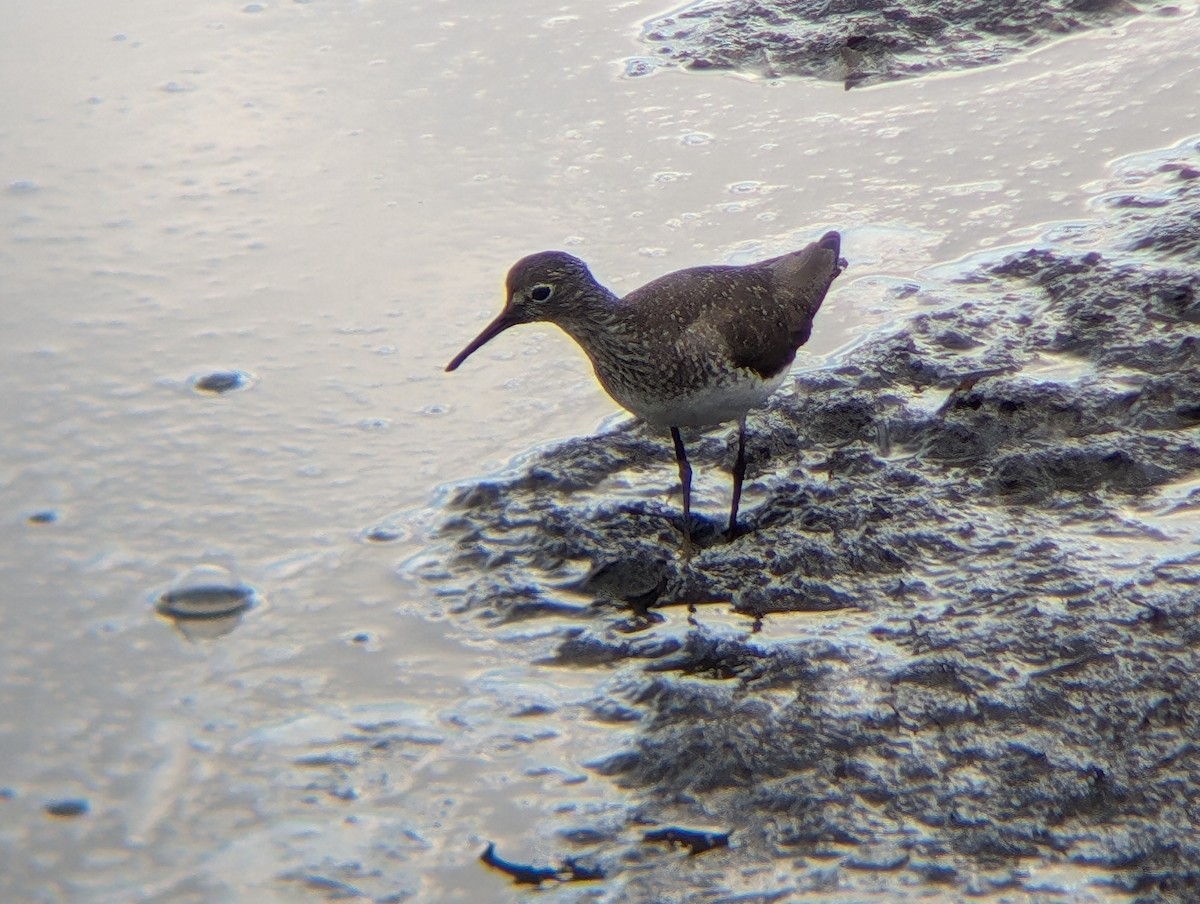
(606, 328)
(595, 319)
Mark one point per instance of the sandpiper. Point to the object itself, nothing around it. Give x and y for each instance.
(693, 348)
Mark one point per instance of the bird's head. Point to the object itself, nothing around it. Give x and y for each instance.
(544, 286)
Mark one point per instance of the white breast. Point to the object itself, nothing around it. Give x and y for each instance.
(715, 404)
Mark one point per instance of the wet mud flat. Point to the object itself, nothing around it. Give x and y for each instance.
(966, 647)
(860, 42)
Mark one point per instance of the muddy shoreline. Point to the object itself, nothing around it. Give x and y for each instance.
(990, 511)
(863, 42)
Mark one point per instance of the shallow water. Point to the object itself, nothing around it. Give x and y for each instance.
(326, 197)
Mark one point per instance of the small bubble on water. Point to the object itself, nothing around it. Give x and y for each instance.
(637, 67)
(218, 382)
(374, 424)
(206, 591)
(383, 534)
(68, 807)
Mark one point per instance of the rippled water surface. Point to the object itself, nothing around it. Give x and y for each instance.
(238, 243)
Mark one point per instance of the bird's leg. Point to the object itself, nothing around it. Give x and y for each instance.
(685, 478)
(739, 474)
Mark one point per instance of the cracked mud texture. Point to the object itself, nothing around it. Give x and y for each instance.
(990, 515)
(861, 42)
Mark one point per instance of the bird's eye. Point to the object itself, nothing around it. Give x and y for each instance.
(541, 293)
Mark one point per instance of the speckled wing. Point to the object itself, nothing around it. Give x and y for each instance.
(710, 313)
(753, 317)
(764, 332)
(777, 307)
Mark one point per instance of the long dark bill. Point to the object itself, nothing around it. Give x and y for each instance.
(490, 332)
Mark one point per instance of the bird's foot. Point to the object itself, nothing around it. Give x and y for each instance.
(696, 534)
(687, 546)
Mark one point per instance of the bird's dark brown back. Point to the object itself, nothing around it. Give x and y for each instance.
(758, 314)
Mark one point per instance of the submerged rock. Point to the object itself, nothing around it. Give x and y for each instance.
(863, 41)
(997, 542)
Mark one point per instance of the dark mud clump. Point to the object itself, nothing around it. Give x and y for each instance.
(863, 41)
(989, 520)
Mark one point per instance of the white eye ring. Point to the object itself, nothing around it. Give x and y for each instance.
(541, 292)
